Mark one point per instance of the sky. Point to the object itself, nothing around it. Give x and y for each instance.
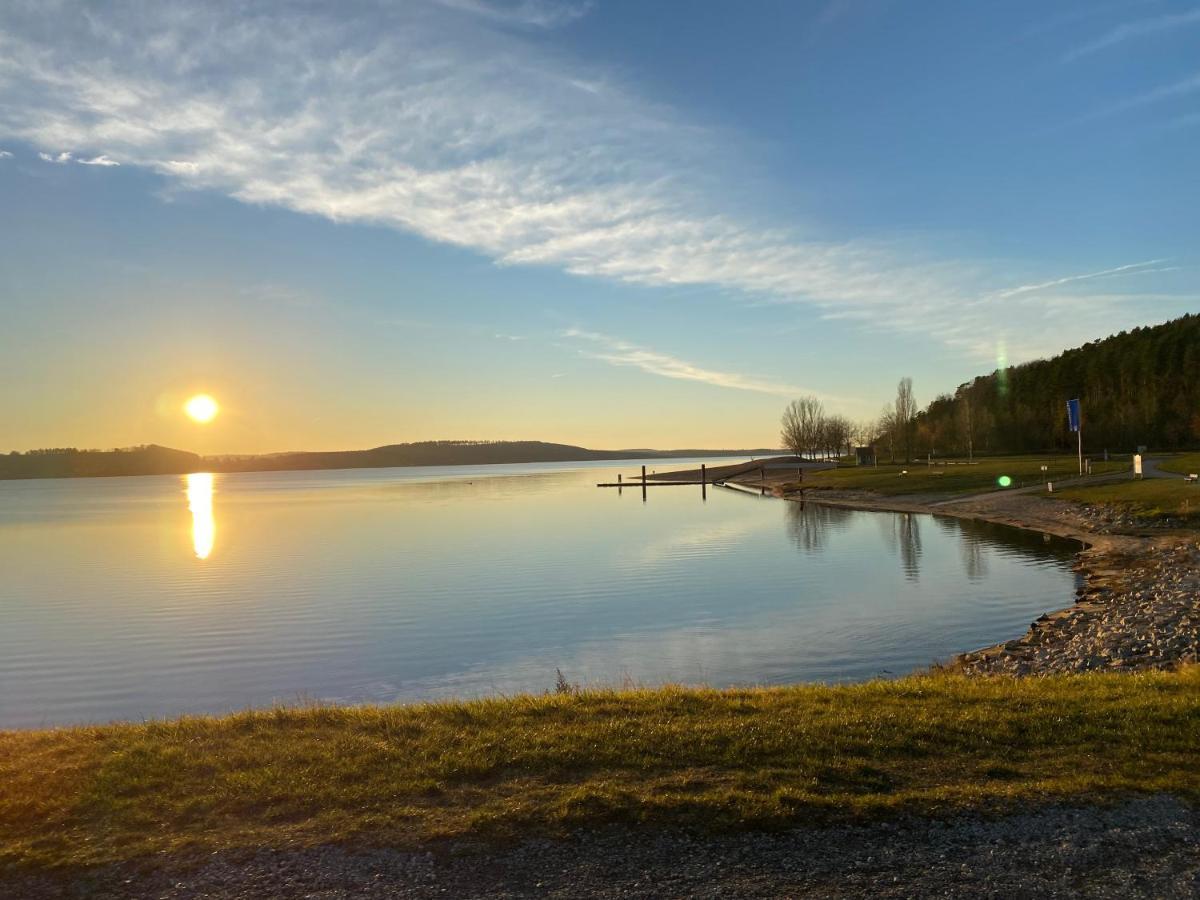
(615, 224)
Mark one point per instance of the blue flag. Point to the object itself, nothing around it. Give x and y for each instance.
(1073, 414)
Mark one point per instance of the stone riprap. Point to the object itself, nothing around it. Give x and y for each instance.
(1135, 612)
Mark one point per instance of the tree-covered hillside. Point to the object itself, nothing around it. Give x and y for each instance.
(68, 462)
(1136, 387)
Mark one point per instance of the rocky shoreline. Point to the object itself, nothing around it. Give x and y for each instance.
(1134, 612)
(1138, 607)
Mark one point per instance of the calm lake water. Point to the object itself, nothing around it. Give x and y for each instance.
(132, 598)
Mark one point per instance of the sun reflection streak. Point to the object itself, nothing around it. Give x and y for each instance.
(204, 529)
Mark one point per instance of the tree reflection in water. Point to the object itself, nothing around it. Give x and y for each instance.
(971, 545)
(810, 524)
(902, 531)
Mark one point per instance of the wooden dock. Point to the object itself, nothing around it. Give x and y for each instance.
(645, 481)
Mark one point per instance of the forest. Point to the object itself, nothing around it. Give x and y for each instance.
(1140, 387)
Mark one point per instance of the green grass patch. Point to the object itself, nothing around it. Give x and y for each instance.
(1149, 498)
(760, 758)
(1184, 464)
(957, 477)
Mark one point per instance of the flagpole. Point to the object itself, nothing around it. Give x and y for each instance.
(1075, 422)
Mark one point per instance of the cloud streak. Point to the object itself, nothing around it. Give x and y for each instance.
(1153, 265)
(523, 13)
(1131, 30)
(446, 123)
(1181, 88)
(618, 352)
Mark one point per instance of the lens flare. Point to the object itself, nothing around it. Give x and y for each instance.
(201, 408)
(204, 528)
(1004, 481)
(1002, 368)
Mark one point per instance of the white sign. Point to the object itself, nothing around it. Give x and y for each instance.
(1137, 464)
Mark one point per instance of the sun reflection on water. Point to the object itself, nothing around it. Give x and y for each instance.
(204, 529)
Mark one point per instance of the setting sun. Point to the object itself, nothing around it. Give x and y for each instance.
(201, 408)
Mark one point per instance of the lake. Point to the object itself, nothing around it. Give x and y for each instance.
(133, 598)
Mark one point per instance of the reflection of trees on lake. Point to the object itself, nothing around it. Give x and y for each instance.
(970, 544)
(973, 558)
(903, 532)
(809, 524)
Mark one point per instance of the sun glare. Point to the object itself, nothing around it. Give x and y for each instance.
(200, 505)
(201, 408)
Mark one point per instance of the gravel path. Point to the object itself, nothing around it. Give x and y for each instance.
(1144, 848)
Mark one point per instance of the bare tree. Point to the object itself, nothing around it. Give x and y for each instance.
(885, 429)
(906, 415)
(837, 435)
(801, 425)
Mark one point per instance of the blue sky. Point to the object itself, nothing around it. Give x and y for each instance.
(615, 224)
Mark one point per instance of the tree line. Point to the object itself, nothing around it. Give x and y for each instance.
(1140, 387)
(808, 431)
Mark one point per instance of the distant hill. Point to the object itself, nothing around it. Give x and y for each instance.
(155, 460)
(67, 462)
(1136, 387)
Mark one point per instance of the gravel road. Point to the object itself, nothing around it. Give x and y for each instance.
(1147, 847)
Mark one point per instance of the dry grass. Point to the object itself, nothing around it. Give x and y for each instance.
(715, 759)
(1184, 463)
(956, 478)
(1150, 498)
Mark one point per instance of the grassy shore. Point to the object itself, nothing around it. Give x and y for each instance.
(1183, 464)
(1149, 499)
(496, 768)
(955, 478)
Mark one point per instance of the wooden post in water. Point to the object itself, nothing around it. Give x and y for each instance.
(643, 484)
(619, 484)
(703, 483)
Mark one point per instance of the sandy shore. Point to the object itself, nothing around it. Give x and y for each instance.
(1138, 606)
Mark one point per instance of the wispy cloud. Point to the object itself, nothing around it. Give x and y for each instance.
(1136, 29)
(1181, 88)
(5, 154)
(1152, 265)
(525, 13)
(67, 156)
(449, 126)
(618, 352)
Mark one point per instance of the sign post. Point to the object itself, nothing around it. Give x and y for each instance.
(1074, 422)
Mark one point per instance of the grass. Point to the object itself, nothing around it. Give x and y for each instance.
(491, 769)
(957, 478)
(1184, 464)
(1150, 498)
